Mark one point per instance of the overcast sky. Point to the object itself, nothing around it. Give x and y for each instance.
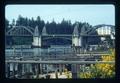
(93, 14)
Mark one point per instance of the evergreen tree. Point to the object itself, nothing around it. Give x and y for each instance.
(13, 22)
(6, 24)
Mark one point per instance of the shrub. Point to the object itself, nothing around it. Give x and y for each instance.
(101, 70)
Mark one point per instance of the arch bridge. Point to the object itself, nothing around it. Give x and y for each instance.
(76, 37)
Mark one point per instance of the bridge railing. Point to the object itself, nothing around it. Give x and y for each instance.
(39, 52)
(60, 62)
(77, 66)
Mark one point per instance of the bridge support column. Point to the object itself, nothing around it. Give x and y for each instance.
(23, 68)
(20, 69)
(41, 68)
(36, 37)
(56, 74)
(77, 42)
(63, 67)
(78, 70)
(80, 41)
(37, 41)
(33, 69)
(16, 68)
(7, 70)
(47, 68)
(13, 70)
(37, 70)
(75, 72)
(60, 69)
(28, 68)
(80, 44)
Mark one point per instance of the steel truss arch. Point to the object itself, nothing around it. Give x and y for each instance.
(20, 29)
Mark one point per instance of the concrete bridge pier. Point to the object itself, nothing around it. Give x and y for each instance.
(78, 70)
(13, 70)
(27, 67)
(60, 69)
(41, 69)
(75, 71)
(47, 69)
(33, 68)
(7, 70)
(77, 44)
(30, 67)
(37, 38)
(20, 70)
(77, 39)
(23, 70)
(36, 71)
(56, 73)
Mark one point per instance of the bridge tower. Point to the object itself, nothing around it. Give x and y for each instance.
(36, 37)
(76, 39)
(44, 31)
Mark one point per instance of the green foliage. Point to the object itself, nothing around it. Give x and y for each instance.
(101, 70)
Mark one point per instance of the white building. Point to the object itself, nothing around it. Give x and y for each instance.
(106, 30)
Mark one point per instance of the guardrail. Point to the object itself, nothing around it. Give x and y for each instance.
(61, 62)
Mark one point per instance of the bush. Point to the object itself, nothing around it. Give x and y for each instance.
(101, 70)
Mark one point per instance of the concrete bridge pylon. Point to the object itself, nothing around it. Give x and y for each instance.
(37, 37)
(76, 38)
(44, 31)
